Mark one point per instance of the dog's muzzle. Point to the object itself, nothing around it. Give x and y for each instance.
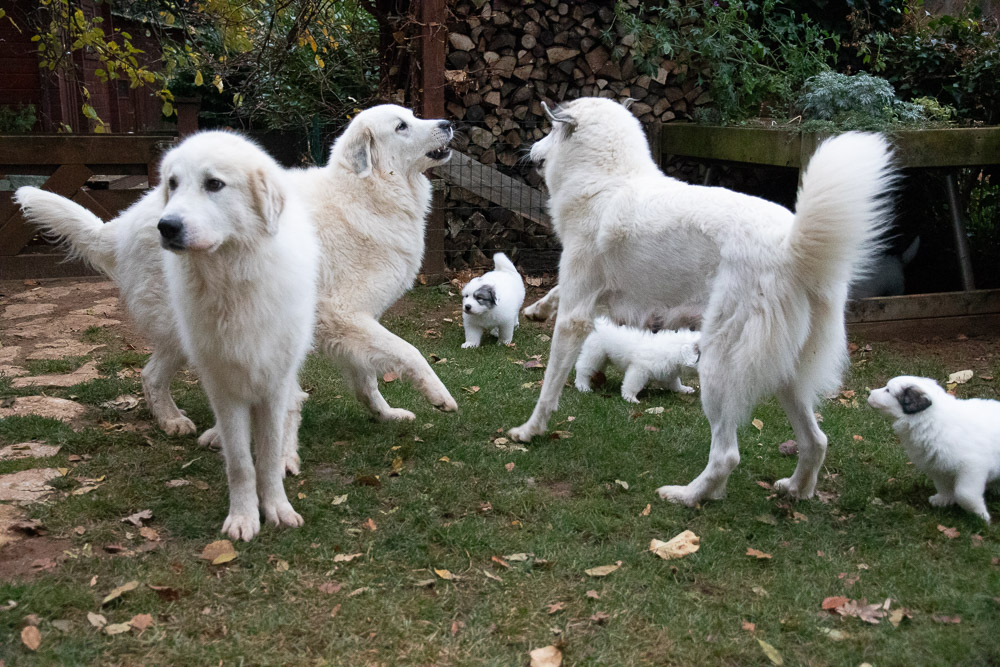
(171, 232)
(468, 307)
(444, 152)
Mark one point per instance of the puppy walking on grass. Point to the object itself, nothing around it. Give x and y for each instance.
(642, 354)
(956, 442)
(491, 303)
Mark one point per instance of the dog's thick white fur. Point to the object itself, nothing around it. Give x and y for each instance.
(687, 316)
(773, 284)
(491, 303)
(641, 354)
(370, 204)
(956, 442)
(236, 295)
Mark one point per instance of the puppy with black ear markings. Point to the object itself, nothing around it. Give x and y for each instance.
(956, 442)
(491, 302)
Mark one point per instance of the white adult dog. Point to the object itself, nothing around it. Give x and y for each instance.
(956, 442)
(491, 303)
(641, 354)
(240, 281)
(370, 204)
(772, 284)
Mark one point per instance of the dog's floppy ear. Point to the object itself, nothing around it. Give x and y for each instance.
(359, 152)
(486, 294)
(912, 400)
(560, 117)
(268, 197)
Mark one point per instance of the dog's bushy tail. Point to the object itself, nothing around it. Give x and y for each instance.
(842, 210)
(83, 234)
(502, 263)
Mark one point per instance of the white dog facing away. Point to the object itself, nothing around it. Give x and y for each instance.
(370, 204)
(641, 354)
(491, 303)
(772, 283)
(240, 287)
(955, 442)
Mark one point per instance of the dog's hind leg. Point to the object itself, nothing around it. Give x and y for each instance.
(969, 489)
(505, 333)
(811, 440)
(592, 360)
(635, 379)
(163, 364)
(944, 484)
(290, 436)
(365, 386)
(270, 419)
(545, 307)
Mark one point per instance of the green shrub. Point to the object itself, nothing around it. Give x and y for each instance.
(17, 120)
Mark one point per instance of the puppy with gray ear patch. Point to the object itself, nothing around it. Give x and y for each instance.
(491, 302)
(956, 442)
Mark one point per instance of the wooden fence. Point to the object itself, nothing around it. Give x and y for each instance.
(102, 173)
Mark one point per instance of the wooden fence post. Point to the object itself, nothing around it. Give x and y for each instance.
(433, 35)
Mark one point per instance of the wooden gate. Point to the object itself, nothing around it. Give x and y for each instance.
(103, 173)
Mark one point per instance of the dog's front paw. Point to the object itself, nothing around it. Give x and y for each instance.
(281, 513)
(583, 387)
(684, 389)
(396, 414)
(467, 344)
(682, 495)
(523, 433)
(631, 398)
(178, 426)
(291, 463)
(210, 438)
(941, 499)
(241, 526)
(800, 492)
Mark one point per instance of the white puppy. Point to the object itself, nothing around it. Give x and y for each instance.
(956, 442)
(236, 295)
(641, 354)
(370, 204)
(491, 302)
(771, 284)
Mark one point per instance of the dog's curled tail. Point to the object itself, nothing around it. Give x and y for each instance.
(842, 210)
(502, 263)
(82, 233)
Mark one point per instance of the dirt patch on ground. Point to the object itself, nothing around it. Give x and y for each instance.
(560, 490)
(32, 556)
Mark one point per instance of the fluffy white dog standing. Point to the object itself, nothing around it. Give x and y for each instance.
(240, 283)
(956, 442)
(772, 283)
(491, 303)
(642, 354)
(370, 204)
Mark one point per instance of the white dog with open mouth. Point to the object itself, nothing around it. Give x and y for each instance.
(236, 293)
(370, 204)
(491, 303)
(641, 354)
(956, 442)
(772, 284)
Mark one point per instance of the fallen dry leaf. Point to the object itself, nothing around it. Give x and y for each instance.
(757, 554)
(219, 552)
(834, 634)
(339, 500)
(593, 595)
(141, 622)
(948, 620)
(31, 637)
(678, 546)
(548, 656)
(330, 587)
(149, 533)
(748, 626)
(622, 483)
(370, 525)
(658, 410)
(758, 424)
(390, 377)
(137, 518)
(492, 576)
(835, 602)
(645, 512)
(96, 620)
(603, 570)
(897, 615)
(771, 652)
(281, 565)
(950, 533)
(509, 466)
(600, 617)
(444, 574)
(335, 611)
(177, 483)
(960, 377)
(345, 558)
(117, 592)
(117, 628)
(556, 607)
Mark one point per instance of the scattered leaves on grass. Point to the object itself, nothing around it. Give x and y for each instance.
(547, 656)
(490, 575)
(758, 424)
(603, 570)
(509, 466)
(748, 626)
(330, 587)
(848, 579)
(658, 410)
(950, 533)
(370, 524)
(646, 510)
(149, 533)
(556, 607)
(137, 518)
(834, 602)
(759, 591)
(678, 546)
(757, 554)
(96, 620)
(177, 483)
(339, 500)
(31, 637)
(869, 613)
(788, 448)
(622, 483)
(600, 617)
(445, 574)
(281, 565)
(946, 620)
(345, 558)
(960, 377)
(219, 552)
(117, 592)
(560, 435)
(834, 634)
(141, 622)
(771, 652)
(123, 403)
(390, 377)
(897, 615)
(769, 519)
(593, 595)
(117, 628)
(472, 390)
(335, 611)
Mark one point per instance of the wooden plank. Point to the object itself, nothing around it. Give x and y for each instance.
(433, 264)
(952, 147)
(491, 184)
(16, 232)
(922, 306)
(782, 148)
(432, 52)
(42, 266)
(116, 201)
(35, 149)
(928, 327)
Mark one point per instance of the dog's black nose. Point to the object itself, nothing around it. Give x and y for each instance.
(170, 227)
(468, 307)
(444, 124)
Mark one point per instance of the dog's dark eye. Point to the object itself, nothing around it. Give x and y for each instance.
(172, 183)
(214, 185)
(402, 126)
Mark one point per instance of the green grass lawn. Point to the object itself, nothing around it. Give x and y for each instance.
(515, 529)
